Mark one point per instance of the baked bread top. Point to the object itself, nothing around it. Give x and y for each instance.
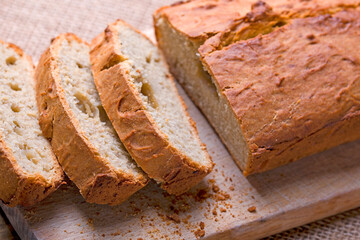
(29, 170)
(200, 19)
(301, 79)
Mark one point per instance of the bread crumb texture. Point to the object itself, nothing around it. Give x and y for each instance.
(19, 116)
(83, 98)
(159, 95)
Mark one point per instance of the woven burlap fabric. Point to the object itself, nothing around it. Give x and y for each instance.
(31, 24)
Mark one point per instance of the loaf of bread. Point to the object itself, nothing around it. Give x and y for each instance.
(140, 97)
(82, 136)
(29, 170)
(268, 97)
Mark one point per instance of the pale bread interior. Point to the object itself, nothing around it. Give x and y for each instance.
(149, 75)
(84, 101)
(19, 125)
(185, 63)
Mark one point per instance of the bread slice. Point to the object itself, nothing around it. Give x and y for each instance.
(29, 170)
(72, 117)
(141, 99)
(227, 85)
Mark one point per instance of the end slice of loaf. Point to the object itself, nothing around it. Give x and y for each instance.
(141, 99)
(29, 170)
(82, 136)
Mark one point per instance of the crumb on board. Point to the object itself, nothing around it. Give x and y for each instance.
(199, 233)
(174, 217)
(252, 209)
(214, 212)
(211, 197)
(202, 225)
(215, 188)
(115, 233)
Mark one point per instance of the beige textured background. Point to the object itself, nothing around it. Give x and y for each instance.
(31, 24)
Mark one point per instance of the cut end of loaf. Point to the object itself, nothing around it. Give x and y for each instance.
(182, 55)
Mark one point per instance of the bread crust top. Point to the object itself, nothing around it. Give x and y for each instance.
(301, 79)
(201, 19)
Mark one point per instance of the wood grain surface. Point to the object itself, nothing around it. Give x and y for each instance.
(219, 207)
(4, 230)
(7, 232)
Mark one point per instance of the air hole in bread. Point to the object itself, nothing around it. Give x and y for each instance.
(16, 123)
(31, 157)
(18, 131)
(10, 60)
(79, 65)
(15, 87)
(15, 108)
(84, 105)
(148, 57)
(23, 146)
(102, 114)
(17, 128)
(147, 91)
(114, 60)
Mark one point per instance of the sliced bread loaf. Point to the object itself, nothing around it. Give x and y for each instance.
(29, 170)
(72, 117)
(141, 99)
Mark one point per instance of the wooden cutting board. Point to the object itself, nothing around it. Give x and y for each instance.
(218, 208)
(5, 232)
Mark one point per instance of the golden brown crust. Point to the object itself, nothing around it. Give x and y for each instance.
(201, 19)
(134, 125)
(263, 19)
(303, 81)
(16, 186)
(20, 188)
(97, 180)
